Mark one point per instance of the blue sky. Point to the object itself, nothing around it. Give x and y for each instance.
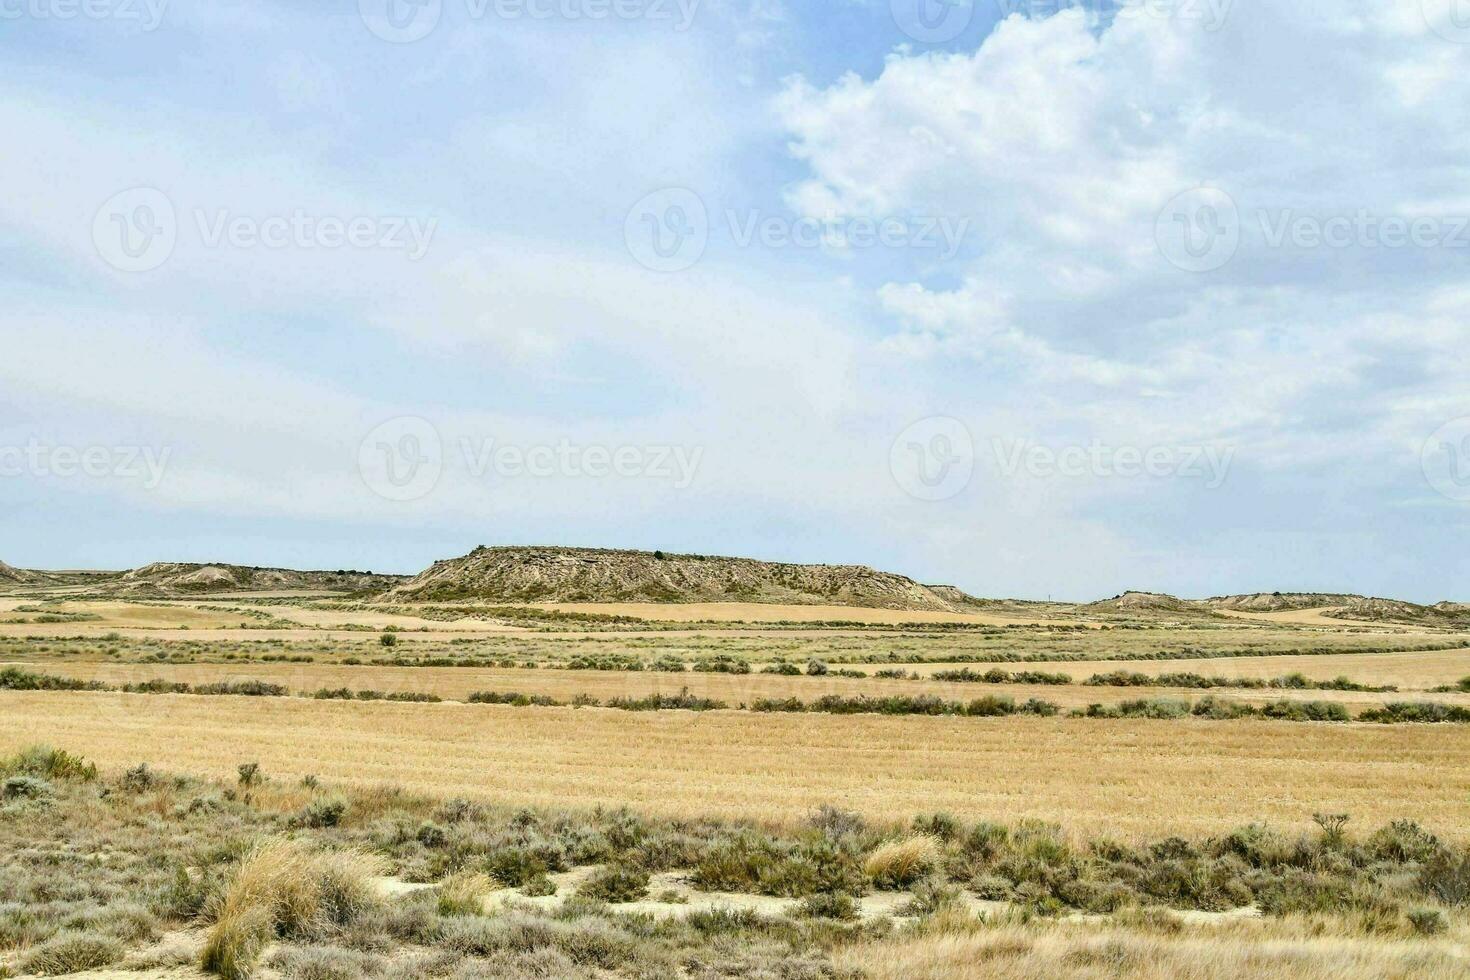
(1042, 301)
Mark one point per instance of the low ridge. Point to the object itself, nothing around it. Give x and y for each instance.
(557, 574)
(181, 578)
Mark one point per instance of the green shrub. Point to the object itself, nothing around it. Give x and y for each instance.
(1446, 877)
(45, 762)
(513, 867)
(1400, 712)
(1403, 842)
(25, 788)
(539, 887)
(323, 812)
(829, 905)
(616, 884)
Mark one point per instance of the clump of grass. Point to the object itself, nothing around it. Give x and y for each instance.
(282, 888)
(900, 863)
(464, 893)
(73, 951)
(829, 905)
(1428, 922)
(616, 884)
(326, 811)
(44, 762)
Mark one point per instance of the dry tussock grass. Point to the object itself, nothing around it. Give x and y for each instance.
(1046, 952)
(899, 863)
(284, 888)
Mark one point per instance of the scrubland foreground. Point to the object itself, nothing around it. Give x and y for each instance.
(138, 872)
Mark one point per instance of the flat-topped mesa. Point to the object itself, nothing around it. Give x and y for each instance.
(559, 574)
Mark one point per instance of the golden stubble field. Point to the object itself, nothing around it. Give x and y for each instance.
(457, 683)
(1095, 777)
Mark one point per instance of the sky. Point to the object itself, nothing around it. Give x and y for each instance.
(1035, 298)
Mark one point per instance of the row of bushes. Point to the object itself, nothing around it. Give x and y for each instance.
(1210, 707)
(922, 704)
(1291, 682)
(995, 676)
(1218, 709)
(1183, 653)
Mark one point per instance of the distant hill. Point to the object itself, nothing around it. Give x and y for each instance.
(1281, 601)
(19, 576)
(175, 578)
(553, 574)
(1147, 602)
(1446, 614)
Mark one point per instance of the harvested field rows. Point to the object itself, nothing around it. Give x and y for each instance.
(457, 683)
(1095, 776)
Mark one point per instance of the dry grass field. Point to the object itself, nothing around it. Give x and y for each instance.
(1096, 776)
(590, 843)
